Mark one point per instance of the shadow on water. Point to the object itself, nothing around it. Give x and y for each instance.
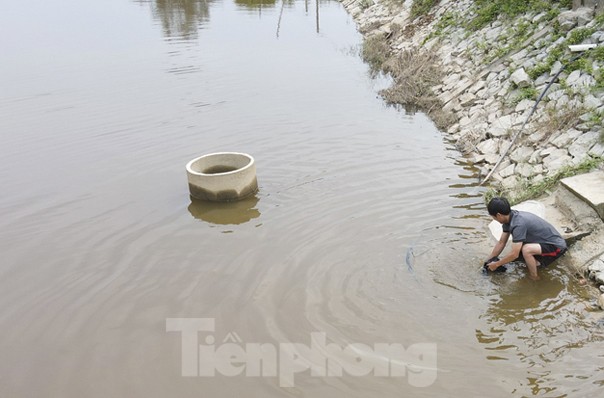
(228, 213)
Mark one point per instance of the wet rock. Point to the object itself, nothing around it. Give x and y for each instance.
(520, 78)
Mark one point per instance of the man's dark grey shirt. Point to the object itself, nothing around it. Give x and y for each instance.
(528, 228)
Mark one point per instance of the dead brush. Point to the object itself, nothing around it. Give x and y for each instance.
(415, 73)
(560, 119)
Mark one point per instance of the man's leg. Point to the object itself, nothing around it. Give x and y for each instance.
(529, 251)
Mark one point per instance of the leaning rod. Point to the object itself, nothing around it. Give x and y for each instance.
(526, 120)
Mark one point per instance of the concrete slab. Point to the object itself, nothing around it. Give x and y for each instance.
(590, 188)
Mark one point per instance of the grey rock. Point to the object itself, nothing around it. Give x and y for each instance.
(491, 158)
(520, 78)
(568, 20)
(557, 159)
(467, 99)
(525, 170)
(556, 67)
(541, 80)
(522, 154)
(535, 158)
(524, 105)
(584, 16)
(563, 102)
(554, 95)
(583, 144)
(478, 86)
(573, 78)
(507, 171)
(592, 102)
(596, 266)
(537, 136)
(576, 160)
(488, 147)
(493, 34)
(597, 150)
(510, 183)
(565, 139)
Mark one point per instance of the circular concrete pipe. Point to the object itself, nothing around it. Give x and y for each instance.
(222, 176)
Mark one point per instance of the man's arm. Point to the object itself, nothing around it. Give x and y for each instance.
(503, 240)
(513, 255)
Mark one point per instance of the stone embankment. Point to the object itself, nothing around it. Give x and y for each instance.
(493, 76)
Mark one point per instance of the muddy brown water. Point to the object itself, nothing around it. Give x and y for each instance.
(367, 227)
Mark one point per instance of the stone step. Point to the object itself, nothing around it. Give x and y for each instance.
(589, 188)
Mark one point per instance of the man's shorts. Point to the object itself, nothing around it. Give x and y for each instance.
(549, 254)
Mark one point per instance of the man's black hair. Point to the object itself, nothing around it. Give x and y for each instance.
(499, 205)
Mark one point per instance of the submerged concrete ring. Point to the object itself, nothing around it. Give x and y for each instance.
(222, 176)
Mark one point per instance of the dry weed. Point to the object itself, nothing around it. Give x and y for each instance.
(561, 119)
(415, 73)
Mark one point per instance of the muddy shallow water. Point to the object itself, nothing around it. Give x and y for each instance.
(366, 228)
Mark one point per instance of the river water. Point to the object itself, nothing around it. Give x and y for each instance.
(367, 229)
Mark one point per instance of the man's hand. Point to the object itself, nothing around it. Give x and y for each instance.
(492, 266)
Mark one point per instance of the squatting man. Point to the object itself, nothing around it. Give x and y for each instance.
(533, 238)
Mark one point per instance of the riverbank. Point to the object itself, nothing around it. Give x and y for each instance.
(478, 72)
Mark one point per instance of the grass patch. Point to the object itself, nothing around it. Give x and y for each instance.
(422, 7)
(578, 35)
(531, 190)
(526, 93)
(487, 11)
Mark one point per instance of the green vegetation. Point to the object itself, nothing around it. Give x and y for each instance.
(422, 7)
(526, 93)
(600, 20)
(578, 35)
(598, 53)
(488, 11)
(532, 190)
